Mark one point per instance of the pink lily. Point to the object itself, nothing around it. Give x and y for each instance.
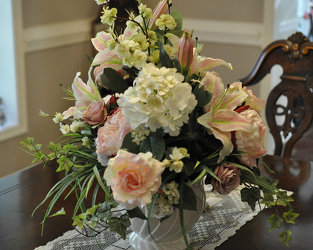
(100, 40)
(84, 93)
(185, 51)
(106, 59)
(199, 64)
(221, 119)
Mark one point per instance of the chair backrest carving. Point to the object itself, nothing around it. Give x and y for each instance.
(288, 120)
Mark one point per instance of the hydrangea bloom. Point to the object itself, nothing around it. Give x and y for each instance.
(159, 99)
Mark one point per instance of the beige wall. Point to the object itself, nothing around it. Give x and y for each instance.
(45, 69)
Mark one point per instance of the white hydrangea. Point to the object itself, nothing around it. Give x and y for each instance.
(139, 134)
(159, 99)
(164, 204)
(162, 208)
(171, 191)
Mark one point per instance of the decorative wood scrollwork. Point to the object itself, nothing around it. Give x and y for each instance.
(295, 56)
(295, 42)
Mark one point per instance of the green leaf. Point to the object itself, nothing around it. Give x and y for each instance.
(92, 210)
(189, 198)
(165, 60)
(275, 221)
(178, 19)
(203, 97)
(119, 225)
(290, 216)
(154, 144)
(210, 172)
(129, 145)
(181, 212)
(188, 167)
(202, 174)
(251, 195)
(285, 237)
(112, 80)
(78, 222)
(99, 179)
(60, 212)
(136, 212)
(268, 200)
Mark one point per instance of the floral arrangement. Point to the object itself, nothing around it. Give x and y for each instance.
(152, 120)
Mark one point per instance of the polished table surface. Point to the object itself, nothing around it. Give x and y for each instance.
(21, 192)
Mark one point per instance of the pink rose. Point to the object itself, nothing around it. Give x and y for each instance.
(96, 113)
(251, 144)
(110, 137)
(229, 176)
(133, 178)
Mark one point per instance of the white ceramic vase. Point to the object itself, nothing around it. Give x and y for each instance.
(168, 234)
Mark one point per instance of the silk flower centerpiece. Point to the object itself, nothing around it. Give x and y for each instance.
(150, 125)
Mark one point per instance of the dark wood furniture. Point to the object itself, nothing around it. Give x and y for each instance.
(295, 56)
(21, 192)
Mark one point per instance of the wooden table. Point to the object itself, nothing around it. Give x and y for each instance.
(21, 192)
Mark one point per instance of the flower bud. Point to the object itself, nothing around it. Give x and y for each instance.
(161, 8)
(185, 51)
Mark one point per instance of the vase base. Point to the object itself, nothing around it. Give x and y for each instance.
(139, 244)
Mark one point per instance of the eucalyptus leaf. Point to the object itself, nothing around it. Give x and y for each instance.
(189, 198)
(165, 60)
(178, 19)
(112, 80)
(129, 145)
(154, 144)
(203, 97)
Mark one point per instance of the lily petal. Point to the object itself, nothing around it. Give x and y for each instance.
(213, 83)
(173, 39)
(234, 97)
(228, 120)
(208, 63)
(68, 113)
(100, 39)
(225, 138)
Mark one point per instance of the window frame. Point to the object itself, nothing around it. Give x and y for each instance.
(21, 127)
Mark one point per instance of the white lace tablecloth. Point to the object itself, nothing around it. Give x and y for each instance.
(225, 214)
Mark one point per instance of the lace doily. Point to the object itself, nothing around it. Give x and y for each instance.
(223, 216)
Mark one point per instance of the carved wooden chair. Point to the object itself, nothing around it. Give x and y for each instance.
(295, 55)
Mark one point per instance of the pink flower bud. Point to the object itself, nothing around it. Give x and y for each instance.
(161, 8)
(185, 50)
(96, 113)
